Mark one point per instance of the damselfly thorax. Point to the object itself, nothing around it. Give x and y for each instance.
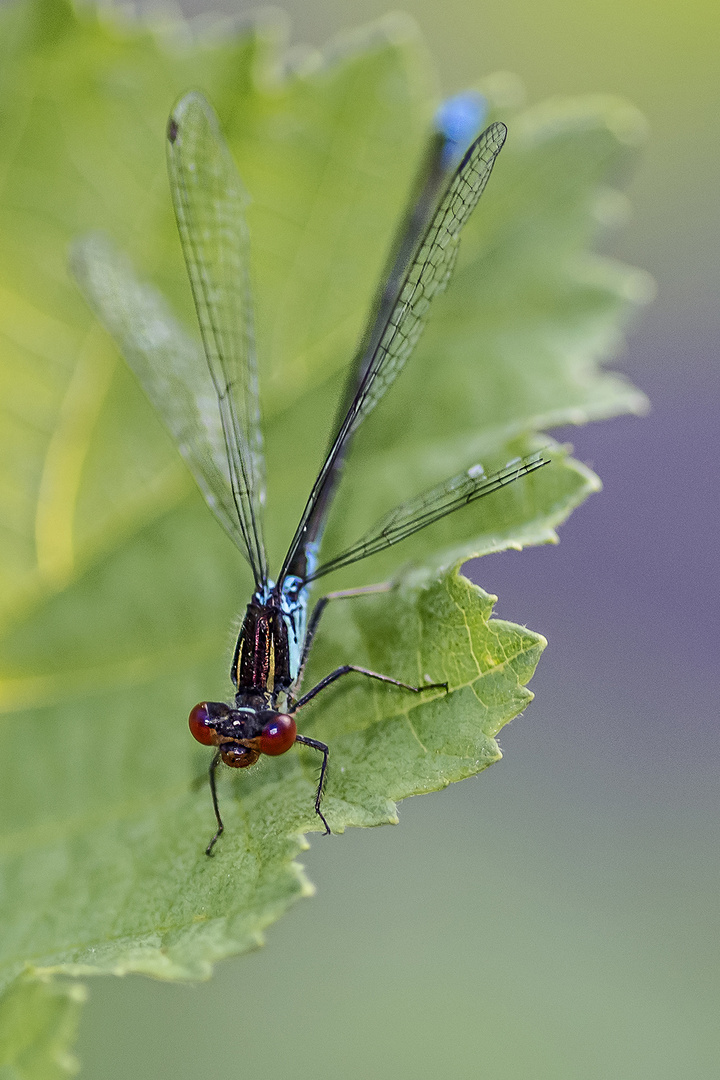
(268, 653)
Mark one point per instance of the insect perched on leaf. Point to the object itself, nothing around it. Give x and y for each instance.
(210, 404)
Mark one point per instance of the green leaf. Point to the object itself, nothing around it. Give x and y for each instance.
(118, 586)
(113, 852)
(38, 1024)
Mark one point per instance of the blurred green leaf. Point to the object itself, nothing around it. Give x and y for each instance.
(118, 586)
(38, 1025)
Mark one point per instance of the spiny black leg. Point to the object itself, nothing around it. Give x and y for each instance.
(325, 751)
(213, 792)
(322, 603)
(347, 668)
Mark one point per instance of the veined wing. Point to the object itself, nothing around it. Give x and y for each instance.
(432, 505)
(457, 122)
(209, 202)
(169, 365)
(426, 277)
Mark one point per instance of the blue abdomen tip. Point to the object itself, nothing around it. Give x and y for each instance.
(460, 117)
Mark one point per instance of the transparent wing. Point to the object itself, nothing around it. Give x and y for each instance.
(457, 122)
(426, 277)
(169, 365)
(209, 202)
(428, 273)
(432, 505)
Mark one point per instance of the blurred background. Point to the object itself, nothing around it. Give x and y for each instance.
(589, 946)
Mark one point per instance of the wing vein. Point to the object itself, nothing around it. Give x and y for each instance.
(426, 277)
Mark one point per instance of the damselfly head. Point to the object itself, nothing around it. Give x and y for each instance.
(242, 734)
(277, 735)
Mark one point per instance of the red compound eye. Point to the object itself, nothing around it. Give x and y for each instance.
(278, 735)
(201, 726)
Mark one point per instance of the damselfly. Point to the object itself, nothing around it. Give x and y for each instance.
(210, 404)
